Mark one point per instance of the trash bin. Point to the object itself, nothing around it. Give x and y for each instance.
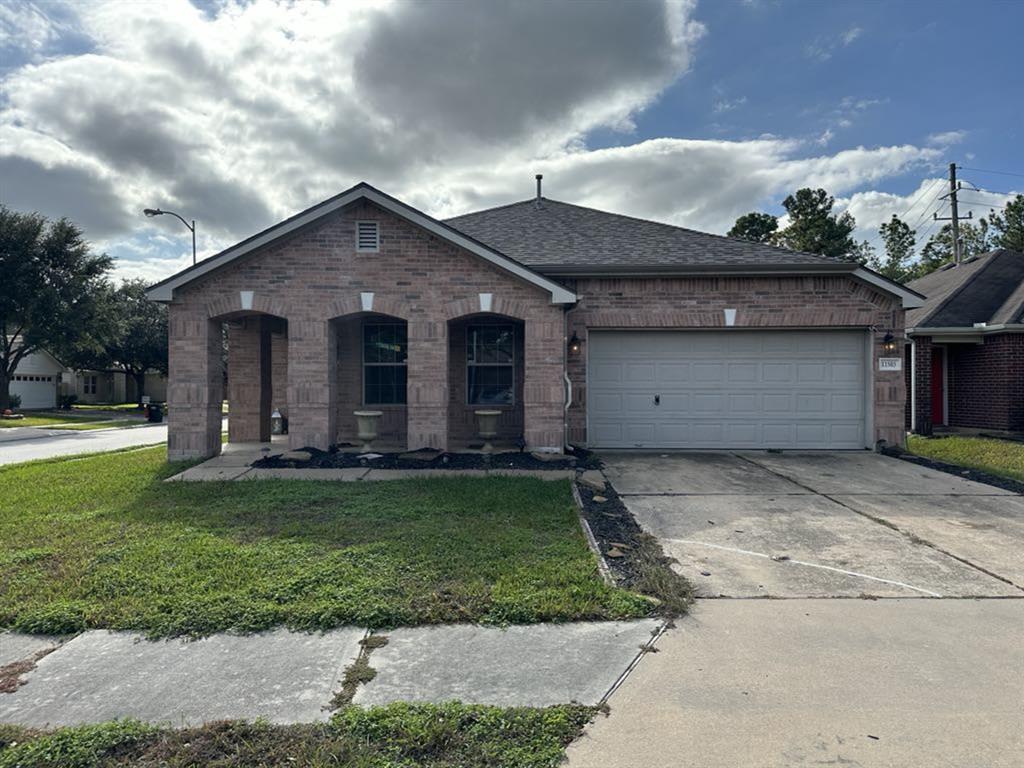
(156, 413)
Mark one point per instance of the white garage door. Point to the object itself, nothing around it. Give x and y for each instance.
(726, 389)
(35, 390)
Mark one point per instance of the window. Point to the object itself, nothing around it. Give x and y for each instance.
(89, 383)
(490, 370)
(367, 236)
(384, 354)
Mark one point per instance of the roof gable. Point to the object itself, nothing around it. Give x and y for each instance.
(988, 288)
(164, 290)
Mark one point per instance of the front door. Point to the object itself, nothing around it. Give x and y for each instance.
(938, 386)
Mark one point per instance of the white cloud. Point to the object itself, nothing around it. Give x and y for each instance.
(826, 136)
(947, 138)
(727, 105)
(823, 46)
(850, 35)
(246, 114)
(917, 208)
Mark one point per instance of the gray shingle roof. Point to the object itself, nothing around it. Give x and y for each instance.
(549, 234)
(986, 289)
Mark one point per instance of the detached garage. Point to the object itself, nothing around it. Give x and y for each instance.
(728, 389)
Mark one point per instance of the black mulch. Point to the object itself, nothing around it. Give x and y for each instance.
(335, 459)
(611, 523)
(1014, 486)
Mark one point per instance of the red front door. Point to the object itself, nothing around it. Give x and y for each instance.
(938, 386)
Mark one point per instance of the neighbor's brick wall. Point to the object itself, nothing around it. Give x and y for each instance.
(314, 277)
(761, 302)
(923, 385)
(986, 383)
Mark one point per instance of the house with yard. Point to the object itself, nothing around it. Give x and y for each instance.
(966, 357)
(113, 386)
(571, 326)
(37, 379)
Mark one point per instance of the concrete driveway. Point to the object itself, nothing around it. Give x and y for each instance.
(846, 524)
(814, 677)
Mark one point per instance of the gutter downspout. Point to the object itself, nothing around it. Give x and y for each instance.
(565, 373)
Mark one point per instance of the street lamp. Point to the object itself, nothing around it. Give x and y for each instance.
(151, 212)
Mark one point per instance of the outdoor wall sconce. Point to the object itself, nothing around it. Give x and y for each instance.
(575, 344)
(889, 343)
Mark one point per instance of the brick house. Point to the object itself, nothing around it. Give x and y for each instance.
(581, 327)
(967, 350)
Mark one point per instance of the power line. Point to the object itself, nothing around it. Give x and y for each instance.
(982, 170)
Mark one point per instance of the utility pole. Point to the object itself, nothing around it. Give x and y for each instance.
(954, 187)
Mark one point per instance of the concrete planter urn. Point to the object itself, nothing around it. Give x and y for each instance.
(487, 427)
(368, 423)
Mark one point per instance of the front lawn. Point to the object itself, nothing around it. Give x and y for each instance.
(399, 735)
(999, 457)
(101, 542)
(69, 421)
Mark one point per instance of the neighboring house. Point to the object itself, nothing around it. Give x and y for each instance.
(579, 326)
(37, 380)
(113, 386)
(967, 355)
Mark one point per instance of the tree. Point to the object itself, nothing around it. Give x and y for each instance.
(755, 227)
(899, 239)
(1009, 225)
(814, 228)
(139, 341)
(50, 282)
(938, 251)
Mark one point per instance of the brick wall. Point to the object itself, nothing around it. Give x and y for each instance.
(923, 385)
(760, 302)
(314, 277)
(986, 383)
(462, 426)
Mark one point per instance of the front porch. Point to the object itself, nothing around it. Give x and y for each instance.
(303, 385)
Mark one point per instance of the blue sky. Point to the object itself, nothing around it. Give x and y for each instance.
(239, 114)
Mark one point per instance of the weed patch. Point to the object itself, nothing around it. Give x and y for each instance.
(449, 735)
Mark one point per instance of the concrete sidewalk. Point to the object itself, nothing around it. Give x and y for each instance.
(291, 677)
(780, 683)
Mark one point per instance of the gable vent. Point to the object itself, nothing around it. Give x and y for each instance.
(367, 236)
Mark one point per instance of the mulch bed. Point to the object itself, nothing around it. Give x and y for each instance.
(611, 523)
(1014, 486)
(335, 459)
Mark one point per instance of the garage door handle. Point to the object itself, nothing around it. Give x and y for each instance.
(657, 399)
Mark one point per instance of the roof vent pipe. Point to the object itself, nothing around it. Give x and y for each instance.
(540, 177)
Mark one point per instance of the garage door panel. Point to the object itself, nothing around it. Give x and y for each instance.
(732, 389)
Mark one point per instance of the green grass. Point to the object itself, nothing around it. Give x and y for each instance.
(448, 735)
(69, 421)
(1000, 457)
(130, 407)
(101, 542)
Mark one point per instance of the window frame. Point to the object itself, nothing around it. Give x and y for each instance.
(364, 364)
(376, 226)
(472, 364)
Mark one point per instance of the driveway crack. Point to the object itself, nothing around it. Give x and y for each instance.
(913, 537)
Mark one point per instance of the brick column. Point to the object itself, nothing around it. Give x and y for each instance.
(195, 384)
(249, 380)
(544, 387)
(312, 388)
(427, 385)
(922, 385)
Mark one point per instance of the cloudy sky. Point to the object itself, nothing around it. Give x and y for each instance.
(241, 113)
